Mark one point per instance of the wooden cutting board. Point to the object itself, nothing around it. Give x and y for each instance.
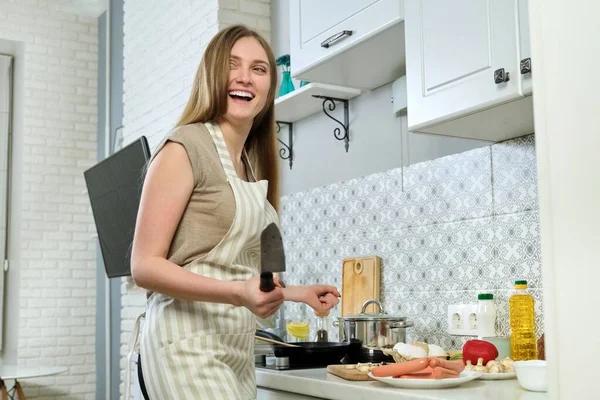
(348, 374)
(361, 281)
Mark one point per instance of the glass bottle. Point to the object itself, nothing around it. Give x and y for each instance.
(321, 334)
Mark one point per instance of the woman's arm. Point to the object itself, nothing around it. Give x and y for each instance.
(167, 189)
(321, 298)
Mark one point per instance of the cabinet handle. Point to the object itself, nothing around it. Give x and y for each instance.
(327, 42)
(501, 76)
(525, 65)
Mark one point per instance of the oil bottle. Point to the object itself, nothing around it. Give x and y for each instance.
(523, 344)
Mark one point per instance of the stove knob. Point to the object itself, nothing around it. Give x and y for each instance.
(282, 362)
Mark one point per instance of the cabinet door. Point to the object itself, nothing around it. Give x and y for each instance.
(524, 48)
(320, 29)
(453, 49)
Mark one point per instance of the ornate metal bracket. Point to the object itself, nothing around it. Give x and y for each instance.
(329, 103)
(287, 151)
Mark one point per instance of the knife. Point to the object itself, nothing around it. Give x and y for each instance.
(272, 256)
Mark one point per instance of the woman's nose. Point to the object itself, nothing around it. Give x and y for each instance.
(243, 76)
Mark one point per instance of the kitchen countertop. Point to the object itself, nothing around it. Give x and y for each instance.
(321, 384)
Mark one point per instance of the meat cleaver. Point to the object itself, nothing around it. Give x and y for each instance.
(272, 256)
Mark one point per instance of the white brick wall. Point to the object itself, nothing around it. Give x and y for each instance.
(163, 46)
(57, 294)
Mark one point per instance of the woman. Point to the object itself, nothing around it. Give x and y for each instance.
(210, 189)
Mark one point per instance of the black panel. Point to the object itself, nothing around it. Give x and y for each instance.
(114, 186)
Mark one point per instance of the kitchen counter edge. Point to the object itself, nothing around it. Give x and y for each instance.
(319, 383)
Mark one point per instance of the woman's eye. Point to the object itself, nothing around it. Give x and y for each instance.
(261, 69)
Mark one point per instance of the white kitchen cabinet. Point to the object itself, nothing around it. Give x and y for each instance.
(399, 95)
(352, 43)
(524, 48)
(462, 68)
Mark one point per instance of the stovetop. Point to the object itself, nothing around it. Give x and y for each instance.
(271, 362)
(282, 363)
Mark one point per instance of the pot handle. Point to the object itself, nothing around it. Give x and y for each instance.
(401, 324)
(372, 301)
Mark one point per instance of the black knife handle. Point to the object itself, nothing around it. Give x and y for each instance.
(266, 281)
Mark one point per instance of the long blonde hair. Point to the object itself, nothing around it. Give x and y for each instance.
(208, 102)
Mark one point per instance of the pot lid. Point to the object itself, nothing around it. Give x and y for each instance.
(381, 316)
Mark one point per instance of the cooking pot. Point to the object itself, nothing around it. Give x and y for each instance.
(376, 331)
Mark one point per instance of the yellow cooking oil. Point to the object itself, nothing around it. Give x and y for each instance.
(523, 343)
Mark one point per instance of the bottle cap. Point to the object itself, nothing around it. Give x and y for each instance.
(520, 282)
(325, 314)
(485, 296)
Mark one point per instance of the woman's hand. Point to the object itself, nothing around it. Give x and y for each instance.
(262, 304)
(321, 298)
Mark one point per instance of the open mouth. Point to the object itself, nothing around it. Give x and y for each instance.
(241, 95)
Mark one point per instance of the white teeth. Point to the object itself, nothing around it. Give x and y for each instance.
(242, 94)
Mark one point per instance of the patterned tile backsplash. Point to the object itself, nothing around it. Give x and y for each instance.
(445, 229)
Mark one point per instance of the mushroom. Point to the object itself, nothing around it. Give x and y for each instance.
(469, 366)
(495, 367)
(480, 367)
(507, 363)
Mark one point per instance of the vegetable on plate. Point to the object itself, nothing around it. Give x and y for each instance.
(475, 349)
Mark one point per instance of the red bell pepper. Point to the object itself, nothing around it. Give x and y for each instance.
(475, 349)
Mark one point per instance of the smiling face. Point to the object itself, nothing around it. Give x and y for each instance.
(249, 81)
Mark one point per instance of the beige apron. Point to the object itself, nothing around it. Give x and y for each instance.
(196, 350)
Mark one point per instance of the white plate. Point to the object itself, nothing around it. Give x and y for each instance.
(499, 376)
(465, 376)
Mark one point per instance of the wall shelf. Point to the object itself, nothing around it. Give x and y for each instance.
(308, 100)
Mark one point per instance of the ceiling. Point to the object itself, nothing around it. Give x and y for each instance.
(91, 8)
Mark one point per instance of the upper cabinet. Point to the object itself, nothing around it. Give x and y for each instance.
(463, 68)
(524, 48)
(352, 43)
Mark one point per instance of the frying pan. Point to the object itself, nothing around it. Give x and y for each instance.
(315, 354)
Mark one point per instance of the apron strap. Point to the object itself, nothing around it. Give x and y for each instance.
(249, 165)
(134, 346)
(217, 136)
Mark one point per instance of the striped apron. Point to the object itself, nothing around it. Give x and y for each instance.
(197, 350)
